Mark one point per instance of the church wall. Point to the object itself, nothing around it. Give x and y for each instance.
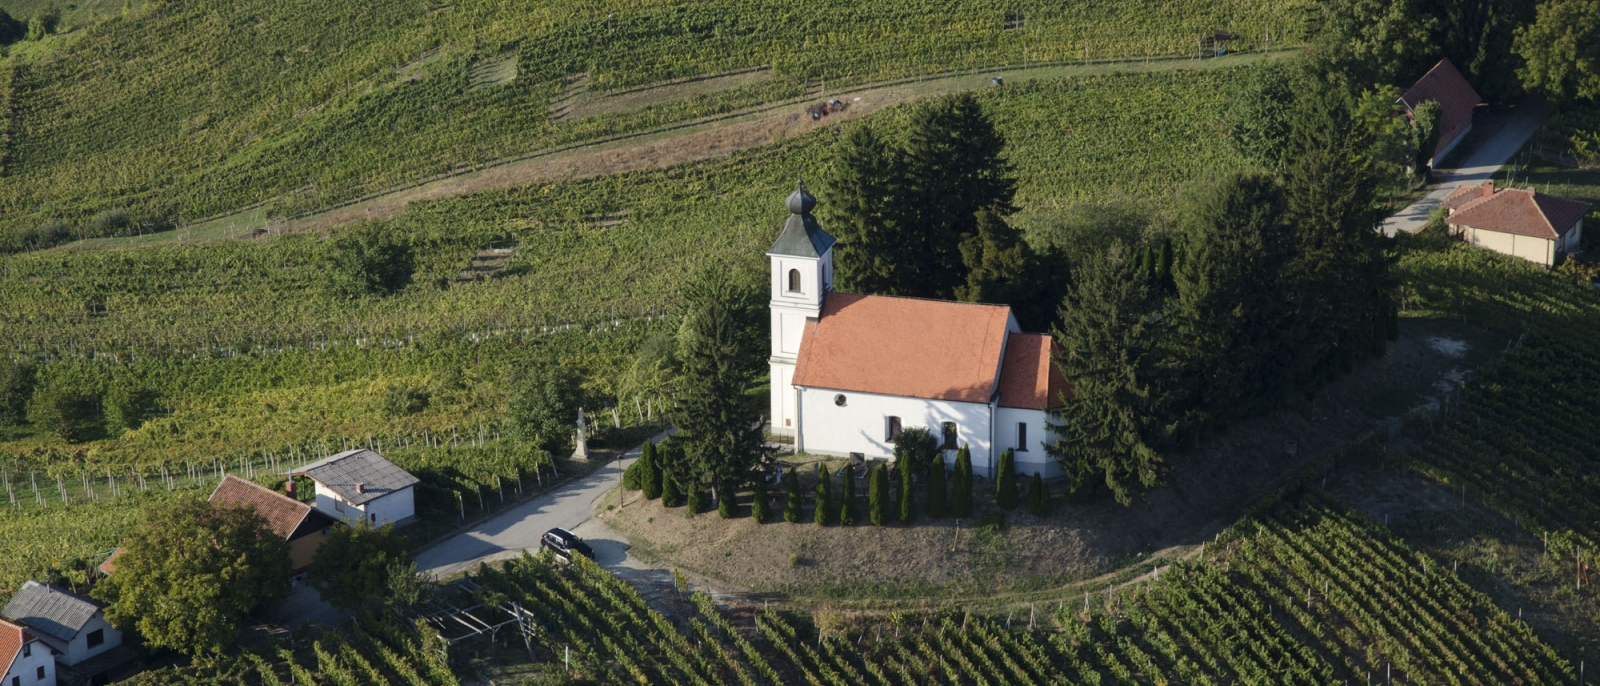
(780, 409)
(1034, 458)
(861, 425)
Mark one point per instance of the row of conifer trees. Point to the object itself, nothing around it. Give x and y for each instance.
(944, 495)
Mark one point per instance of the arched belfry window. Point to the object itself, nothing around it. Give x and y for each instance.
(794, 281)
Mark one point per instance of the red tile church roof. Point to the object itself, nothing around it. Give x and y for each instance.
(907, 347)
(1029, 378)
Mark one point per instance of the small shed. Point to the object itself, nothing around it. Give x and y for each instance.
(359, 485)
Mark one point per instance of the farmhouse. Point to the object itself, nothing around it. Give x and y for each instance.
(1445, 85)
(849, 371)
(24, 658)
(73, 628)
(301, 525)
(359, 485)
(1516, 221)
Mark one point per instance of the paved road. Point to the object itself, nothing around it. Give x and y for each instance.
(509, 533)
(1515, 128)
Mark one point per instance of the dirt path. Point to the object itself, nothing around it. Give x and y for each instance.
(698, 140)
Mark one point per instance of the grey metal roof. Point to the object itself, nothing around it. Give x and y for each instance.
(802, 236)
(50, 610)
(342, 472)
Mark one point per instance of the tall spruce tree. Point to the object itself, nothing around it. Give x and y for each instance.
(822, 510)
(935, 504)
(863, 197)
(1338, 283)
(1003, 269)
(878, 496)
(905, 501)
(961, 485)
(902, 214)
(1005, 481)
(719, 347)
(1112, 338)
(1230, 296)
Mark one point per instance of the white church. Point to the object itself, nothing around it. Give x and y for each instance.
(849, 372)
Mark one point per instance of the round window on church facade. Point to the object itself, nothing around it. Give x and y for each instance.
(839, 400)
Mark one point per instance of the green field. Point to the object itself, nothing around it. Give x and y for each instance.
(164, 112)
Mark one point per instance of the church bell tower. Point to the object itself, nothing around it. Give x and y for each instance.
(802, 275)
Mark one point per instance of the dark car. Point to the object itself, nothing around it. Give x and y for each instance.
(564, 543)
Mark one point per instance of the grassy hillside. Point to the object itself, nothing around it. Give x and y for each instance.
(177, 111)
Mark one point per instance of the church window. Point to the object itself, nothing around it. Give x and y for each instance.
(1022, 437)
(893, 430)
(949, 431)
(839, 400)
(794, 281)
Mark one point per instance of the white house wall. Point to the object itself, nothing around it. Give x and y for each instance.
(78, 650)
(395, 507)
(861, 426)
(1536, 250)
(1032, 457)
(27, 668)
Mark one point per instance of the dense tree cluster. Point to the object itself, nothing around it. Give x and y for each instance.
(1279, 283)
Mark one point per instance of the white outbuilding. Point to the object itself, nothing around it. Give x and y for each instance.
(359, 485)
(850, 371)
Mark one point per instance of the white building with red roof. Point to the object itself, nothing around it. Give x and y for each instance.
(850, 371)
(1517, 221)
(25, 660)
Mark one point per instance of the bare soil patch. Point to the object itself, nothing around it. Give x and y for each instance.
(1079, 544)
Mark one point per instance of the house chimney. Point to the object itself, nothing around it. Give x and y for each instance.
(288, 487)
(361, 488)
(1488, 188)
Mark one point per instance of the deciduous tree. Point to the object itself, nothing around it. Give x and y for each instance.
(191, 571)
(353, 565)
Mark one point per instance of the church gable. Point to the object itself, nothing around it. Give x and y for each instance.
(905, 347)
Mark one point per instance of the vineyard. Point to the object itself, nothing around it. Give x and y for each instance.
(1521, 438)
(161, 110)
(1304, 594)
(373, 653)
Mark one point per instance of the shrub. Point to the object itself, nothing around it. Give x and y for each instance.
(907, 502)
(1038, 496)
(633, 476)
(759, 506)
(367, 259)
(878, 496)
(822, 513)
(1005, 481)
(727, 499)
(915, 447)
(961, 485)
(401, 399)
(67, 414)
(695, 495)
(126, 408)
(791, 508)
(847, 499)
(650, 479)
(934, 504)
(16, 386)
(670, 495)
(113, 222)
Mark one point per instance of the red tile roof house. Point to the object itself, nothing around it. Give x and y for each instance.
(24, 659)
(300, 524)
(849, 371)
(1456, 99)
(1522, 222)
